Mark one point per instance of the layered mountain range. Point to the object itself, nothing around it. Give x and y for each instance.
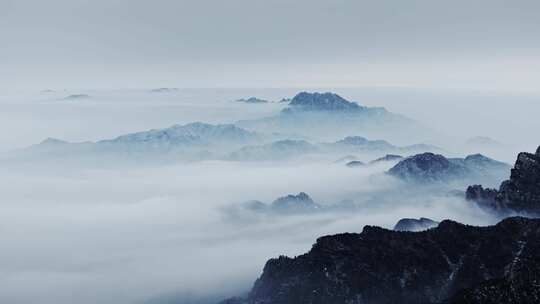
(352, 144)
(179, 142)
(199, 141)
(308, 116)
(423, 261)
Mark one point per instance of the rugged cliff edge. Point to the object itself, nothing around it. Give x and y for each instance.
(520, 193)
(452, 263)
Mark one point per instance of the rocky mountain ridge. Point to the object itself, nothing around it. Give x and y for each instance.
(452, 263)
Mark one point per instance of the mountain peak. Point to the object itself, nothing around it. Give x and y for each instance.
(322, 102)
(425, 166)
(301, 201)
(435, 167)
(196, 132)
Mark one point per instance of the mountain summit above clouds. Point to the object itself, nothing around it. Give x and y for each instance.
(329, 116)
(322, 102)
(193, 141)
(197, 132)
(430, 167)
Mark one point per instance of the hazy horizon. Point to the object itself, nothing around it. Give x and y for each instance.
(489, 45)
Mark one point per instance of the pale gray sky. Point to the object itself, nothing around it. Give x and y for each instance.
(267, 43)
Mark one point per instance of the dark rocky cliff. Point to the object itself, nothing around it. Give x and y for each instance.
(520, 193)
(452, 263)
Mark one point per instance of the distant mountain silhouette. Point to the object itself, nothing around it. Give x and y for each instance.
(330, 116)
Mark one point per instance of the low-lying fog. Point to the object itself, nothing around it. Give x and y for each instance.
(149, 234)
(105, 236)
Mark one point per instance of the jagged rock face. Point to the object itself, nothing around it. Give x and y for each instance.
(380, 266)
(484, 197)
(410, 224)
(322, 102)
(522, 190)
(521, 193)
(294, 203)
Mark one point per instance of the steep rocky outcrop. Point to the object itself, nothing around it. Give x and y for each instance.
(452, 263)
(520, 193)
(411, 224)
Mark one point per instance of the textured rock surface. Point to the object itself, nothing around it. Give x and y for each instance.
(453, 263)
(520, 193)
(410, 224)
